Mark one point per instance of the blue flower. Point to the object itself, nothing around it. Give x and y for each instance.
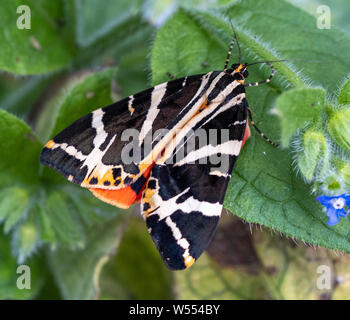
(335, 207)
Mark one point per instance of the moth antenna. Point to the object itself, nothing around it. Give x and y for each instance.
(230, 48)
(267, 62)
(282, 60)
(255, 84)
(259, 131)
(229, 52)
(238, 46)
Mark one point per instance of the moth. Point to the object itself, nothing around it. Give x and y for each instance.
(180, 190)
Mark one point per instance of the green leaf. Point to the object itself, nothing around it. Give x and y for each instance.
(94, 20)
(344, 94)
(132, 272)
(157, 11)
(343, 167)
(91, 93)
(66, 214)
(313, 158)
(19, 162)
(92, 210)
(263, 189)
(131, 34)
(77, 272)
(67, 230)
(45, 47)
(26, 238)
(293, 34)
(21, 94)
(9, 275)
(132, 73)
(77, 98)
(298, 108)
(339, 11)
(185, 53)
(13, 206)
(47, 228)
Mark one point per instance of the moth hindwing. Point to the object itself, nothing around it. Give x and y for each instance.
(171, 147)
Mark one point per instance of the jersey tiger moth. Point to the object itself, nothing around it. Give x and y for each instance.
(180, 191)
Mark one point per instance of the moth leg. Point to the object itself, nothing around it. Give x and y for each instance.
(259, 131)
(255, 84)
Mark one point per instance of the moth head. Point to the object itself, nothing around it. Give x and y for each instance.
(239, 71)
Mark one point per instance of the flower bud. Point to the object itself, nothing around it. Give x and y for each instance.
(314, 154)
(343, 171)
(338, 126)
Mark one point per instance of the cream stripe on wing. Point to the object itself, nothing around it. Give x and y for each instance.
(231, 147)
(99, 139)
(180, 139)
(220, 174)
(167, 207)
(192, 121)
(72, 151)
(130, 107)
(239, 122)
(181, 241)
(236, 100)
(101, 134)
(159, 147)
(177, 233)
(157, 95)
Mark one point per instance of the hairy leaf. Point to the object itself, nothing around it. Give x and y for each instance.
(313, 158)
(42, 48)
(338, 126)
(94, 20)
(80, 95)
(77, 272)
(13, 206)
(344, 94)
(298, 108)
(11, 275)
(292, 33)
(16, 138)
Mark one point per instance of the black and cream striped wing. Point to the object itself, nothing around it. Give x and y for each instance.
(89, 151)
(183, 198)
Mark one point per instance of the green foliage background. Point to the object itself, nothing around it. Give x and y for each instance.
(81, 55)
